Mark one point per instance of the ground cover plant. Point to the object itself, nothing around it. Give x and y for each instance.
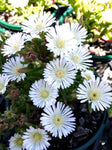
(46, 76)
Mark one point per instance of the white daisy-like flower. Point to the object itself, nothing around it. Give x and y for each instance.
(13, 44)
(87, 74)
(102, 1)
(60, 40)
(3, 83)
(12, 68)
(80, 58)
(106, 15)
(58, 120)
(16, 142)
(7, 34)
(96, 92)
(37, 23)
(35, 139)
(43, 94)
(80, 33)
(59, 73)
(18, 3)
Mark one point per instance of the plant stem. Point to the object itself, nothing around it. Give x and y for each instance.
(27, 109)
(64, 96)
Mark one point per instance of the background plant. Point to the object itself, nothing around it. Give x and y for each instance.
(33, 6)
(89, 14)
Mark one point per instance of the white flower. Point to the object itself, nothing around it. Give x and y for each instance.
(18, 3)
(60, 40)
(59, 73)
(12, 68)
(106, 15)
(96, 92)
(102, 1)
(16, 142)
(80, 33)
(58, 120)
(43, 94)
(80, 58)
(13, 44)
(37, 23)
(7, 34)
(87, 74)
(3, 83)
(35, 139)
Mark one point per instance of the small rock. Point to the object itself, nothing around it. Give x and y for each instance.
(81, 121)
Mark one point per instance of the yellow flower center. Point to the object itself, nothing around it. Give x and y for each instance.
(94, 96)
(60, 44)
(8, 113)
(60, 74)
(58, 119)
(20, 141)
(88, 77)
(1, 86)
(76, 58)
(39, 26)
(37, 136)
(44, 94)
(15, 46)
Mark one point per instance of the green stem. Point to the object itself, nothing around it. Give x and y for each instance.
(64, 96)
(27, 109)
(25, 70)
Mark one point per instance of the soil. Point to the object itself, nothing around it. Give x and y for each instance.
(86, 125)
(103, 67)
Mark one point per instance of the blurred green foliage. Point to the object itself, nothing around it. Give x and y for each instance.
(89, 13)
(33, 6)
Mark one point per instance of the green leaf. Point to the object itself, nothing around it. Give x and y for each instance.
(3, 147)
(109, 111)
(89, 107)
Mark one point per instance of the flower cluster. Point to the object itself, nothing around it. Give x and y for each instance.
(45, 62)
